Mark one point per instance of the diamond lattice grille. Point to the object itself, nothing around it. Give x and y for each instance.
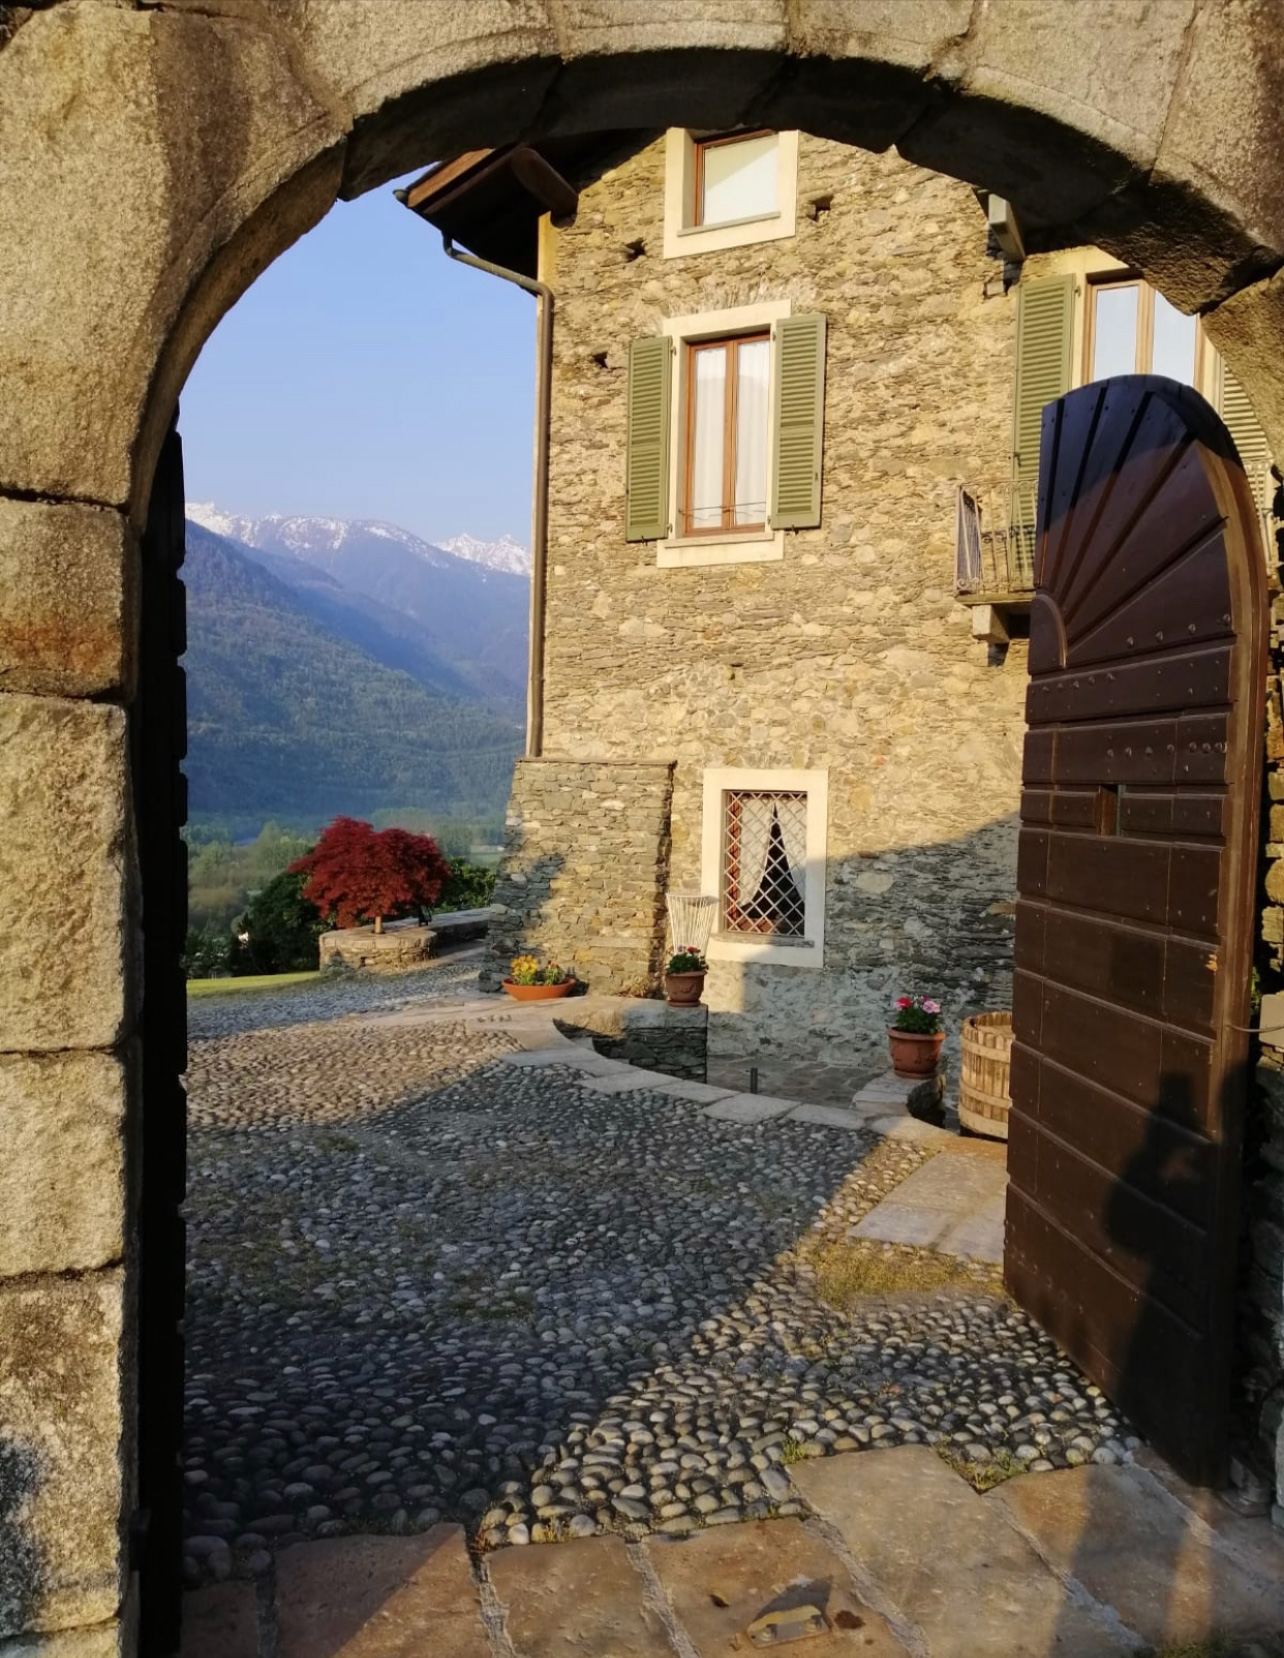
(764, 858)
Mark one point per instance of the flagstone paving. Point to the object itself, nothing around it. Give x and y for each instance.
(896, 1555)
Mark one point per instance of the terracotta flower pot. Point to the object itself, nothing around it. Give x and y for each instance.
(683, 989)
(538, 992)
(914, 1055)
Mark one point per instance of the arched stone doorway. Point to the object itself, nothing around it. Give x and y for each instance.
(152, 162)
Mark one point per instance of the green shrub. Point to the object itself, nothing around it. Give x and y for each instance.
(280, 929)
(468, 887)
(205, 955)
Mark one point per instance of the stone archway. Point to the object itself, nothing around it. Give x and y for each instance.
(153, 160)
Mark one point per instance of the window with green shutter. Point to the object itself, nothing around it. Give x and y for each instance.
(1045, 315)
(1250, 439)
(646, 515)
(798, 438)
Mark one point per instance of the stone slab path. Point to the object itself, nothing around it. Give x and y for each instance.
(953, 1204)
(894, 1554)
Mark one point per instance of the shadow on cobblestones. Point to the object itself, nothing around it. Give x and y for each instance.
(425, 1283)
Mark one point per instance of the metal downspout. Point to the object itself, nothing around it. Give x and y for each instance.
(539, 505)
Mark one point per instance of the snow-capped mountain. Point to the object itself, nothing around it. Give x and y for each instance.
(504, 554)
(321, 541)
(467, 612)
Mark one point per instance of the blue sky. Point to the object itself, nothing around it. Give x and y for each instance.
(365, 375)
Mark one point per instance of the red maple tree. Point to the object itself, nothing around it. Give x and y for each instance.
(357, 873)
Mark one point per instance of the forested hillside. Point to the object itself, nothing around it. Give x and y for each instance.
(287, 720)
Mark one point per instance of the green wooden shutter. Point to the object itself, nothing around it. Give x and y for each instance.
(646, 511)
(1250, 439)
(1045, 317)
(797, 441)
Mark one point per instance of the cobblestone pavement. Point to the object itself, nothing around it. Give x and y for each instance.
(453, 973)
(427, 1283)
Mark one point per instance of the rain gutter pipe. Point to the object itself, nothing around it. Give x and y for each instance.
(539, 504)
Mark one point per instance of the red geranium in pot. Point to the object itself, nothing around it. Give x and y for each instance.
(915, 1036)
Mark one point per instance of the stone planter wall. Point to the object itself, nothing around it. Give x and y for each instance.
(647, 1033)
(401, 944)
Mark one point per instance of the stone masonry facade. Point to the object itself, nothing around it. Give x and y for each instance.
(851, 655)
(586, 855)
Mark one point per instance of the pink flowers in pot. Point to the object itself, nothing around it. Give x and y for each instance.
(920, 1015)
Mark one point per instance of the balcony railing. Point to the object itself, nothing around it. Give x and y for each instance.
(995, 561)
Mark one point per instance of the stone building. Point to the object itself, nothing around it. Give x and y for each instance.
(795, 408)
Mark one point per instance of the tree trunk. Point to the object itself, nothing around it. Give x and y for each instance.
(378, 923)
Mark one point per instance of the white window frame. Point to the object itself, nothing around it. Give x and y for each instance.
(1089, 266)
(809, 950)
(682, 238)
(735, 546)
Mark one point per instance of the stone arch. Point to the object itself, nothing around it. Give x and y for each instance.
(153, 161)
(1153, 131)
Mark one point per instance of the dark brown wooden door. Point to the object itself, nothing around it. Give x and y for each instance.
(1134, 935)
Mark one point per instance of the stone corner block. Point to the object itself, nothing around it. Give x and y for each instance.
(63, 873)
(62, 1194)
(60, 1456)
(65, 624)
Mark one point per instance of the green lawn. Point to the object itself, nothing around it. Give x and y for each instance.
(262, 981)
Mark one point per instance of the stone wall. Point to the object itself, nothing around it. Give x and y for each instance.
(850, 655)
(584, 870)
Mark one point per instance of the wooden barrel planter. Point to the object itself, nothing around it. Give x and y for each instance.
(985, 1073)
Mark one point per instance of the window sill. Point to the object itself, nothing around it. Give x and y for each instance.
(730, 224)
(762, 948)
(691, 552)
(681, 240)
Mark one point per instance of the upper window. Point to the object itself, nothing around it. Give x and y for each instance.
(735, 177)
(728, 190)
(1131, 329)
(727, 401)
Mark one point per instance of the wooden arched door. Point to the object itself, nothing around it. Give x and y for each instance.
(1135, 921)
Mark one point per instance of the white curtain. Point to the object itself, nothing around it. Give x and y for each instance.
(709, 389)
(793, 831)
(751, 432)
(755, 841)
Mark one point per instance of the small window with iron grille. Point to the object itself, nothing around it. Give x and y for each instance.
(762, 855)
(764, 863)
